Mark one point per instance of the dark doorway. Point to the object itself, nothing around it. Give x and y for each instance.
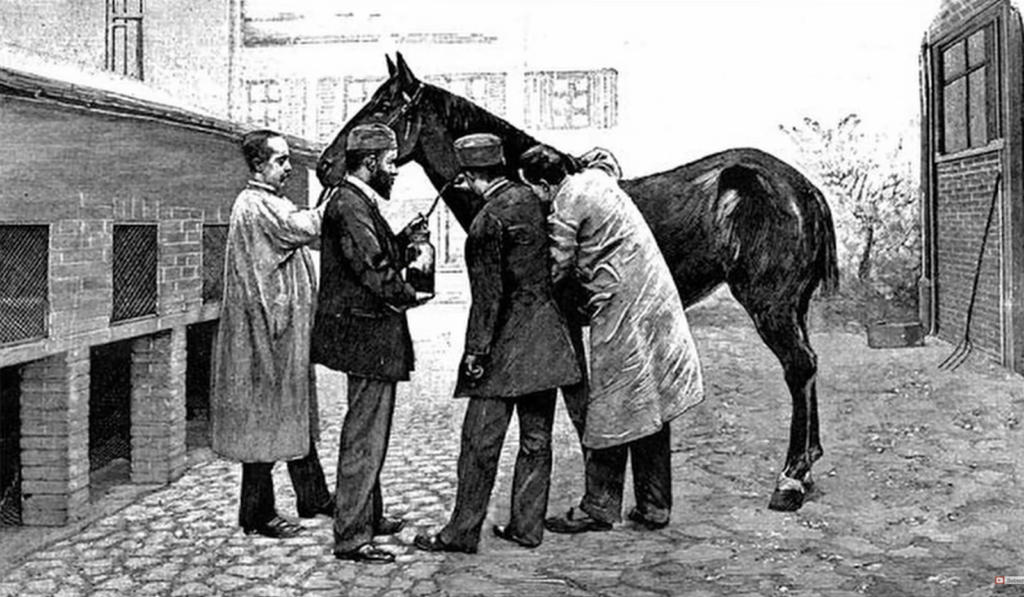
(10, 446)
(199, 346)
(110, 416)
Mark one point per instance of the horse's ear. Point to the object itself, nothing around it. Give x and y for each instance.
(404, 71)
(391, 66)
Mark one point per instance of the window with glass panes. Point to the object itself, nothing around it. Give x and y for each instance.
(124, 37)
(968, 75)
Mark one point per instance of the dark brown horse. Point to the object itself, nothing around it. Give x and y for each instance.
(740, 217)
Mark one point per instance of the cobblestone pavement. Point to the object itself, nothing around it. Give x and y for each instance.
(919, 493)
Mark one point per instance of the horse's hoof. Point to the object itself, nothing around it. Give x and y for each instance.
(786, 500)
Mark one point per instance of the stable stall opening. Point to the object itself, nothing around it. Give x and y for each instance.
(199, 340)
(110, 440)
(10, 446)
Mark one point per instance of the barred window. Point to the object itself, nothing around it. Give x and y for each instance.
(572, 99)
(124, 37)
(135, 257)
(24, 282)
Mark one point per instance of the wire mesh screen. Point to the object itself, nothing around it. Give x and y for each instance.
(215, 238)
(135, 255)
(24, 283)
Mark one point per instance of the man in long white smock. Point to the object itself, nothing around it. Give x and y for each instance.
(644, 369)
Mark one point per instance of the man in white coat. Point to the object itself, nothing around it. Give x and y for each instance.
(263, 404)
(644, 369)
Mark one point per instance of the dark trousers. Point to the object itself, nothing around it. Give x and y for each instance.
(483, 433)
(364, 445)
(651, 457)
(257, 501)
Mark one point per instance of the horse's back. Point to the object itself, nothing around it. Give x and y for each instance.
(713, 216)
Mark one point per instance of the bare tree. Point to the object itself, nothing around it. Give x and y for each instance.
(872, 185)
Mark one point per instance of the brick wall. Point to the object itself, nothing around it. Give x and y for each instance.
(57, 161)
(55, 438)
(963, 198)
(954, 12)
(179, 269)
(158, 407)
(71, 29)
(188, 61)
(81, 285)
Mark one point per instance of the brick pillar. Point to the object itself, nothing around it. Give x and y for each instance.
(158, 407)
(55, 438)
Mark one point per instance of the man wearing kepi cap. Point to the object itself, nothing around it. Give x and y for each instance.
(517, 354)
(361, 329)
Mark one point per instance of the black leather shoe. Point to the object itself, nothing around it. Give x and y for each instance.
(639, 518)
(575, 521)
(367, 552)
(434, 543)
(275, 528)
(388, 525)
(502, 532)
(326, 509)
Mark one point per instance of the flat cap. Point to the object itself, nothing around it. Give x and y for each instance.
(479, 150)
(371, 136)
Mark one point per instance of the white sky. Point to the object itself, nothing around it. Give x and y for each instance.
(732, 71)
(697, 76)
(704, 75)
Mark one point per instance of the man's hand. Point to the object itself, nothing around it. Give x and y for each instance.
(473, 366)
(418, 224)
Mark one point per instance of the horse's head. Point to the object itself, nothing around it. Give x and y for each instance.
(394, 104)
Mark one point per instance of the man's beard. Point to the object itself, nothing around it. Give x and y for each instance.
(382, 182)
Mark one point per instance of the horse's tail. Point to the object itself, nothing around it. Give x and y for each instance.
(767, 181)
(827, 261)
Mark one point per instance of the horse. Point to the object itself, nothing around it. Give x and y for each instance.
(739, 217)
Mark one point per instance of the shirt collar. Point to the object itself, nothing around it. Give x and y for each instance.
(367, 190)
(495, 186)
(264, 186)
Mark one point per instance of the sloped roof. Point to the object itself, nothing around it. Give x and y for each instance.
(30, 75)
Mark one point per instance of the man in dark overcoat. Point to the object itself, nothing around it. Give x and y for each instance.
(263, 404)
(361, 329)
(517, 354)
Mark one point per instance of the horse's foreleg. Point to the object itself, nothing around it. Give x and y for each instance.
(784, 331)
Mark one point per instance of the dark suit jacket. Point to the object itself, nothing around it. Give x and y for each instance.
(360, 327)
(514, 320)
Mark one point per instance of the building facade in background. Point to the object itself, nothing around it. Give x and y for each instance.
(180, 47)
(307, 68)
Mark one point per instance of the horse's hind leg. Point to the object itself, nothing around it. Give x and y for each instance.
(783, 328)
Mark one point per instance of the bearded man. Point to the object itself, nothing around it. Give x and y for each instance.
(362, 330)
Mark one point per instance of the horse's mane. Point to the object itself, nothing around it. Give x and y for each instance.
(464, 117)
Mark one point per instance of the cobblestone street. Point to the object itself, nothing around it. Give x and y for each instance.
(920, 492)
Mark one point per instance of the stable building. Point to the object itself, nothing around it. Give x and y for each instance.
(972, 164)
(114, 204)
